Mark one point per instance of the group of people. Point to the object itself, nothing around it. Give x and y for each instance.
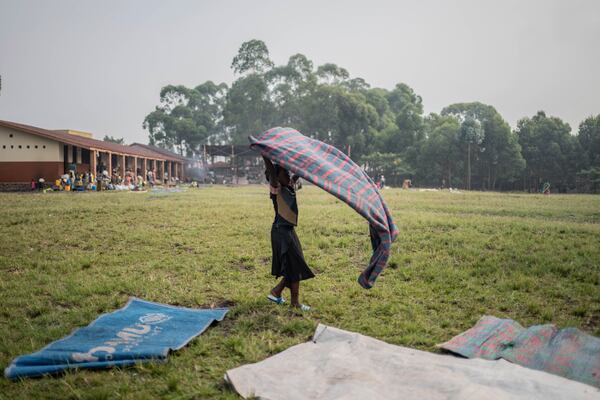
(129, 181)
(66, 182)
(73, 182)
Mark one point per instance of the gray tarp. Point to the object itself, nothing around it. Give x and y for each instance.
(338, 364)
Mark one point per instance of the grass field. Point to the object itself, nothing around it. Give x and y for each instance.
(66, 258)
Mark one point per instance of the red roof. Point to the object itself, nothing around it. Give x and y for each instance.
(88, 143)
(159, 150)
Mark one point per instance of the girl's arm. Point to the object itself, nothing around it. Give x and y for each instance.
(270, 173)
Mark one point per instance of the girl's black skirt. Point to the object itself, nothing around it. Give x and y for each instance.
(288, 259)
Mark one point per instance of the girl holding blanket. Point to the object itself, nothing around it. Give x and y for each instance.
(288, 259)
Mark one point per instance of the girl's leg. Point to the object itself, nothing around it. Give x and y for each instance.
(295, 290)
(276, 291)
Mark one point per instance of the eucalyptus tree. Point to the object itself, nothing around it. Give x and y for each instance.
(440, 159)
(497, 153)
(589, 139)
(471, 133)
(186, 118)
(252, 57)
(248, 108)
(407, 108)
(289, 86)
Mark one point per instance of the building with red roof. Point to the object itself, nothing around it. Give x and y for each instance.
(29, 152)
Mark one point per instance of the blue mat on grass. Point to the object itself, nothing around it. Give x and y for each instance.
(140, 331)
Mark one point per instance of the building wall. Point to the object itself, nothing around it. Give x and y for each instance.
(36, 158)
(25, 171)
(33, 148)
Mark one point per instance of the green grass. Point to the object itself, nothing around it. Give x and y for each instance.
(66, 258)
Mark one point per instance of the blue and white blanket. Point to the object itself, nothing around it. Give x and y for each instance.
(140, 331)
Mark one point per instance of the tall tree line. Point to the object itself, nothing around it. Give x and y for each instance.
(466, 145)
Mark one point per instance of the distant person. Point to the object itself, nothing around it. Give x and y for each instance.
(287, 256)
(546, 188)
(382, 180)
(79, 183)
(150, 175)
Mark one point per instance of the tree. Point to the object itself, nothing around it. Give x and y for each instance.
(341, 118)
(331, 74)
(589, 139)
(186, 118)
(471, 133)
(550, 151)
(113, 139)
(497, 157)
(252, 57)
(589, 163)
(589, 179)
(206, 102)
(289, 85)
(440, 157)
(407, 108)
(374, 125)
(248, 109)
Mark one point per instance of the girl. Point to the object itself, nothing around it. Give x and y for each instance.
(288, 259)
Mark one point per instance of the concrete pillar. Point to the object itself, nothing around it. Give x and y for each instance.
(102, 158)
(93, 155)
(109, 164)
(135, 167)
(78, 154)
(123, 166)
(162, 172)
(145, 169)
(170, 170)
(69, 154)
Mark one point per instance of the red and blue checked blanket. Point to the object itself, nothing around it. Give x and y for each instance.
(333, 171)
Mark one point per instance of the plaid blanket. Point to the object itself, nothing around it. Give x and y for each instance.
(333, 171)
(567, 352)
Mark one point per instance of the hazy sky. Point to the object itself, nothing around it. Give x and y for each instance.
(99, 65)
